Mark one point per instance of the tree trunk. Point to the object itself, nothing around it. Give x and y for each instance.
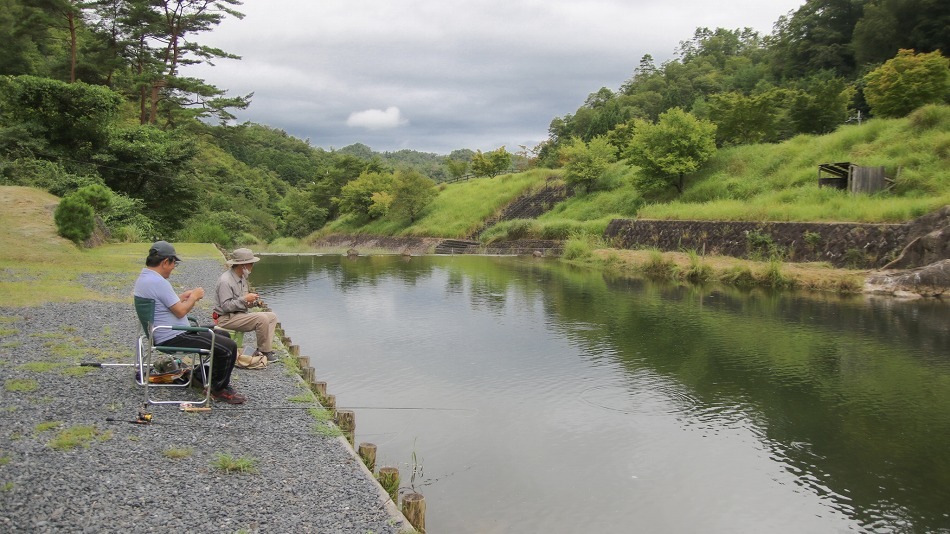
(71, 17)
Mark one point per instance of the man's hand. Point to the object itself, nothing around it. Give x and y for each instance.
(188, 300)
(251, 298)
(197, 294)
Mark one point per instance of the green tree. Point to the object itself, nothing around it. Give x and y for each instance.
(356, 197)
(74, 219)
(99, 197)
(677, 144)
(890, 25)
(492, 163)
(816, 37)
(585, 163)
(742, 119)
(153, 165)
(412, 194)
(906, 82)
(302, 212)
(53, 120)
(456, 167)
(820, 103)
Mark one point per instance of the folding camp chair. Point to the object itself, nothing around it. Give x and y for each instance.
(146, 352)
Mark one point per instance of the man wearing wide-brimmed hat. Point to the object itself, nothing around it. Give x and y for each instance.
(233, 299)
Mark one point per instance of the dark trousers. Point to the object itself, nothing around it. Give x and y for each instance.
(223, 357)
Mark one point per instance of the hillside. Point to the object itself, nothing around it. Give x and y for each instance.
(39, 266)
(774, 182)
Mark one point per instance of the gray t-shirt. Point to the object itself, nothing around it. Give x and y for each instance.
(152, 285)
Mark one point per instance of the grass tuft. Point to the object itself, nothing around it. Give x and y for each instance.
(176, 453)
(21, 385)
(230, 464)
(77, 436)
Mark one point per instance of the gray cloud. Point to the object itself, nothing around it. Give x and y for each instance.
(436, 76)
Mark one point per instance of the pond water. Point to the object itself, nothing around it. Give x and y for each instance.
(525, 396)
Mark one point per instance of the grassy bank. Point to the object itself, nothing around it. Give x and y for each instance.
(763, 182)
(694, 268)
(38, 266)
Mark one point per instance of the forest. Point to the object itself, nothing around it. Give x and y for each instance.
(94, 109)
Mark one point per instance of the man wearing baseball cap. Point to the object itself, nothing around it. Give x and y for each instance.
(172, 310)
(233, 298)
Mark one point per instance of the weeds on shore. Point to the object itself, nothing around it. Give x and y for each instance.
(21, 385)
(692, 267)
(176, 453)
(229, 464)
(78, 436)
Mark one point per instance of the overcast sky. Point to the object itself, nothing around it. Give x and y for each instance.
(439, 75)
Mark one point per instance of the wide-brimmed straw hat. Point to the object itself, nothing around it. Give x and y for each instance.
(242, 256)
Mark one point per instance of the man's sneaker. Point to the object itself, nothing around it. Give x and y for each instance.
(228, 395)
(271, 356)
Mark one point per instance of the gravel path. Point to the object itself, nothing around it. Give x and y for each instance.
(126, 478)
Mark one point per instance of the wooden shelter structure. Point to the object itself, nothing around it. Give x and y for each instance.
(854, 178)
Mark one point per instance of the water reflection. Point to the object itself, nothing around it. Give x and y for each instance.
(597, 404)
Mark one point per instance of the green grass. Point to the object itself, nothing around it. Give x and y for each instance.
(774, 182)
(50, 268)
(458, 210)
(47, 425)
(78, 436)
(21, 385)
(176, 453)
(40, 367)
(230, 464)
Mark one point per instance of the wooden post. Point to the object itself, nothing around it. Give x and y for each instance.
(309, 375)
(367, 452)
(389, 479)
(414, 508)
(320, 388)
(346, 419)
(329, 402)
(303, 362)
(295, 350)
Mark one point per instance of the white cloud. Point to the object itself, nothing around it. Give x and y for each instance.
(476, 74)
(377, 119)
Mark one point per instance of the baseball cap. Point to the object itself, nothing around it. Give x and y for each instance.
(163, 249)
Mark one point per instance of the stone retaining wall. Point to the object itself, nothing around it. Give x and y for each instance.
(841, 244)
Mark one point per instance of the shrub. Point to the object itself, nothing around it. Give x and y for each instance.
(773, 276)
(811, 239)
(577, 249)
(762, 246)
(698, 271)
(855, 258)
(521, 229)
(74, 219)
(659, 267)
(739, 275)
(557, 230)
(99, 197)
(202, 231)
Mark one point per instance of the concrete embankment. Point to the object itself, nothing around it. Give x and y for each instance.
(73, 459)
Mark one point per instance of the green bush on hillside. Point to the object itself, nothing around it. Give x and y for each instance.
(200, 230)
(74, 219)
(97, 196)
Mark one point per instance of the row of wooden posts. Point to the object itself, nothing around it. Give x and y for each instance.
(413, 504)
